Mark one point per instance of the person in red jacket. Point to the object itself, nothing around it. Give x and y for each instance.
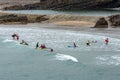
(106, 41)
(42, 46)
(15, 36)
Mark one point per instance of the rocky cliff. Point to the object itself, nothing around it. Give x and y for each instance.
(115, 20)
(71, 4)
(82, 4)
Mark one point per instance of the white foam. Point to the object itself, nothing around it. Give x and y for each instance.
(64, 57)
(7, 40)
(109, 60)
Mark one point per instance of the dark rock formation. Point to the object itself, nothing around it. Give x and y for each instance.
(41, 18)
(13, 18)
(25, 7)
(71, 4)
(101, 23)
(15, 7)
(115, 20)
(81, 4)
(22, 18)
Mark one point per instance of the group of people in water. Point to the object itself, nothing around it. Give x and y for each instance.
(88, 42)
(42, 46)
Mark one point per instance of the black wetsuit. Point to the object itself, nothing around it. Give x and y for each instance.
(37, 45)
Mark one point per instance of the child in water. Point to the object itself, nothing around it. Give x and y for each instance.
(106, 41)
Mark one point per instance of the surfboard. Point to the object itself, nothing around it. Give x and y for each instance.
(42, 49)
(24, 44)
(71, 47)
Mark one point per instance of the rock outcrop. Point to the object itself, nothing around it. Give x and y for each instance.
(70, 4)
(22, 18)
(82, 4)
(26, 7)
(13, 18)
(101, 23)
(41, 18)
(115, 20)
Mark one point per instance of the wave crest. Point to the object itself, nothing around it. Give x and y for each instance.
(64, 57)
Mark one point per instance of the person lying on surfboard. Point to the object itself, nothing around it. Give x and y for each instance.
(42, 46)
(24, 42)
(73, 46)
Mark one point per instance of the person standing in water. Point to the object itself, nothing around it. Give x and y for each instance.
(37, 45)
(88, 43)
(74, 44)
(15, 36)
(106, 41)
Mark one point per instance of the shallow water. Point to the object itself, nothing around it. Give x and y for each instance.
(20, 62)
(106, 12)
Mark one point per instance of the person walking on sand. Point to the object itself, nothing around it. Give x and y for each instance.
(106, 41)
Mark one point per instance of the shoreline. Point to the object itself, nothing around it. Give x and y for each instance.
(56, 19)
(63, 21)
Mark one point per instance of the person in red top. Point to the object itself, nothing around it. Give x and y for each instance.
(106, 41)
(42, 46)
(17, 37)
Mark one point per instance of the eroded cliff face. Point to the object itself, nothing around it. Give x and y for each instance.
(115, 20)
(71, 4)
(81, 4)
(78, 4)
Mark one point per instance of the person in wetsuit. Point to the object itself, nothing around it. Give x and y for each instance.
(24, 43)
(88, 43)
(37, 45)
(15, 36)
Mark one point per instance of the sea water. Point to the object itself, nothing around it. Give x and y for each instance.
(102, 12)
(19, 62)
